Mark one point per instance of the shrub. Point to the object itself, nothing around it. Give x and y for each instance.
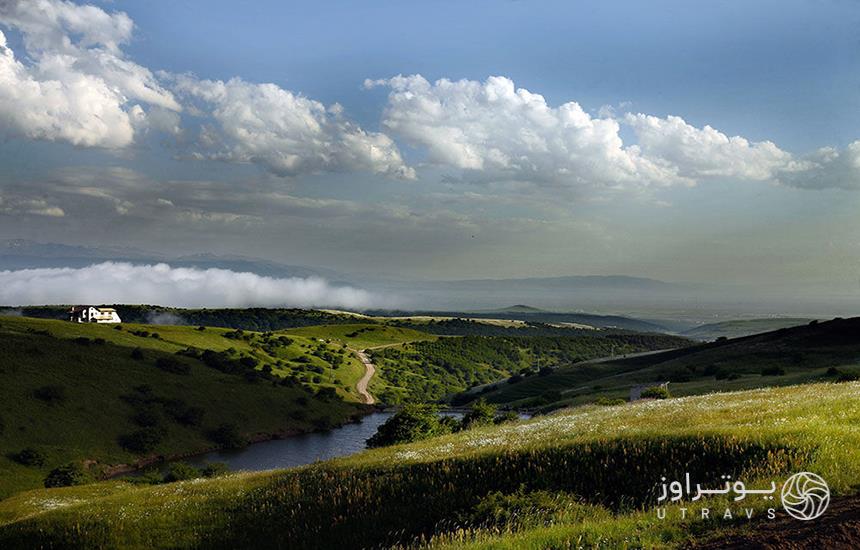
(327, 393)
(410, 423)
(180, 471)
(509, 416)
(214, 469)
(833, 371)
(545, 371)
(29, 457)
(66, 476)
(607, 402)
(481, 414)
(82, 341)
(183, 414)
(137, 354)
(228, 436)
(515, 379)
(172, 365)
(141, 441)
(655, 392)
(201, 328)
(847, 377)
(51, 394)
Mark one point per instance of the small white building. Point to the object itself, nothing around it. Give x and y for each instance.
(93, 314)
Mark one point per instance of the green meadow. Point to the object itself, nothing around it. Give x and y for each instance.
(580, 477)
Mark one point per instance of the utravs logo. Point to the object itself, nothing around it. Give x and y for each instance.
(804, 496)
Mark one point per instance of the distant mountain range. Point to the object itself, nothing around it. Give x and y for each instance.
(24, 254)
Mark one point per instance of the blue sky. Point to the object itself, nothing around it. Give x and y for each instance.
(157, 120)
(787, 71)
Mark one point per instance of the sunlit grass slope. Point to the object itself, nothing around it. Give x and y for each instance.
(595, 469)
(361, 335)
(104, 384)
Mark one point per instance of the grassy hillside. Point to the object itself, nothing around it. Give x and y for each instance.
(787, 356)
(582, 477)
(256, 319)
(78, 391)
(429, 370)
(744, 327)
(362, 335)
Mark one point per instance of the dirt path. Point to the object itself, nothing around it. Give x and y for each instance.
(369, 371)
(837, 529)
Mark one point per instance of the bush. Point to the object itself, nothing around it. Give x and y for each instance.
(29, 457)
(228, 436)
(141, 441)
(172, 365)
(847, 377)
(66, 476)
(481, 414)
(137, 354)
(82, 341)
(51, 394)
(607, 402)
(509, 416)
(410, 423)
(214, 469)
(655, 392)
(545, 371)
(180, 471)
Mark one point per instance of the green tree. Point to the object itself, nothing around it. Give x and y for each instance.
(481, 414)
(411, 423)
(66, 475)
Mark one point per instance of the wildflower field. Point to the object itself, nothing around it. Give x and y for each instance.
(582, 477)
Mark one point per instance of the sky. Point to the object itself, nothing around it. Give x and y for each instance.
(692, 142)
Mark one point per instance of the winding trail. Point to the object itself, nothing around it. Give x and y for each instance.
(369, 371)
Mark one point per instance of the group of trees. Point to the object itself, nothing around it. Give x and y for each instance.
(416, 421)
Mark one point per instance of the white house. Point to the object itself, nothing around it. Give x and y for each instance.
(93, 314)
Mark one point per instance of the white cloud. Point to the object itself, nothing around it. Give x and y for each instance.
(111, 282)
(287, 133)
(706, 152)
(493, 127)
(828, 168)
(505, 132)
(77, 86)
(36, 207)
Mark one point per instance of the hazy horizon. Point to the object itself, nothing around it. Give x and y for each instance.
(672, 142)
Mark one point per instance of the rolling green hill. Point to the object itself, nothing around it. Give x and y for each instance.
(362, 335)
(583, 477)
(743, 327)
(782, 357)
(428, 370)
(118, 395)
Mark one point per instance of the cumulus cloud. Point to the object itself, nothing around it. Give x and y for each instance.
(706, 152)
(116, 282)
(494, 127)
(78, 86)
(504, 132)
(287, 133)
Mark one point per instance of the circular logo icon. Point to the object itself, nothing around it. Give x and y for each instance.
(805, 496)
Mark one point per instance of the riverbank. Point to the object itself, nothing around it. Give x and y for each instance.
(198, 456)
